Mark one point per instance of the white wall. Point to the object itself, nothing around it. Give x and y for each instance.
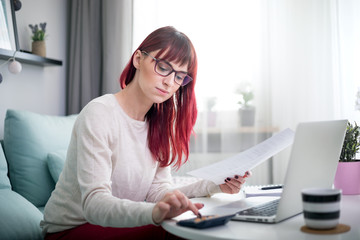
(36, 88)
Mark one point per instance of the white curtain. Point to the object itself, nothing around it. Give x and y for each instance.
(298, 57)
(314, 47)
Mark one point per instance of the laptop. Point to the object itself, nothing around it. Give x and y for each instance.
(313, 161)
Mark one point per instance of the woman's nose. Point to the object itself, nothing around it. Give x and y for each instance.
(170, 79)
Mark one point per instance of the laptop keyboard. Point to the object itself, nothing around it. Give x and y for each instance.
(266, 209)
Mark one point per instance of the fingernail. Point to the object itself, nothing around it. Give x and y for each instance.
(228, 179)
(236, 176)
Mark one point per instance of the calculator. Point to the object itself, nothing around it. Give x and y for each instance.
(205, 221)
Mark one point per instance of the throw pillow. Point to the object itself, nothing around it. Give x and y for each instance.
(28, 138)
(56, 161)
(4, 179)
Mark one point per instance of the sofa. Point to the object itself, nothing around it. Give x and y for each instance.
(32, 154)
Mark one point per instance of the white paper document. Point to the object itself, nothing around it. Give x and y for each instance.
(247, 160)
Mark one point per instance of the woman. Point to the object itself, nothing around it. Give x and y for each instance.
(116, 182)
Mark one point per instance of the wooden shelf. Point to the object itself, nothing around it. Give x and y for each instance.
(29, 58)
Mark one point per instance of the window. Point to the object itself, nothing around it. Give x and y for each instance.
(298, 58)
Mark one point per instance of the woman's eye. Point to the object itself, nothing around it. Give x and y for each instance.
(163, 67)
(179, 78)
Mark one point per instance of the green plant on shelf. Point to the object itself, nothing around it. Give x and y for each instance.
(351, 143)
(38, 33)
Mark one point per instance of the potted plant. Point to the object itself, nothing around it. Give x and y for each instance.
(247, 110)
(38, 45)
(347, 176)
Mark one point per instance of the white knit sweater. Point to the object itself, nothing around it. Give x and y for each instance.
(109, 177)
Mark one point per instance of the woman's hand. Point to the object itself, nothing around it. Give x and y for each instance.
(172, 205)
(233, 185)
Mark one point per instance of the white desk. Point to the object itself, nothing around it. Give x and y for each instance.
(288, 229)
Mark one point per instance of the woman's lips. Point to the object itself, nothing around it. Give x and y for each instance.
(164, 92)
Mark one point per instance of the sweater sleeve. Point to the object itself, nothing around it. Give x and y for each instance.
(94, 168)
(163, 183)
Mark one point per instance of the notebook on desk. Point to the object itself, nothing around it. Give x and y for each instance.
(313, 161)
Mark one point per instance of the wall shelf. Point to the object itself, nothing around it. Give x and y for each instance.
(25, 57)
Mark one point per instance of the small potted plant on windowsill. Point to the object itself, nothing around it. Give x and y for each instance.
(247, 110)
(38, 45)
(347, 176)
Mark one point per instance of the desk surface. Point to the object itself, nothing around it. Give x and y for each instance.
(288, 229)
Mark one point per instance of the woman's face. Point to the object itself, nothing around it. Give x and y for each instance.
(156, 88)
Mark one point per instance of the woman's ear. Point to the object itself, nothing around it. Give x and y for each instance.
(136, 59)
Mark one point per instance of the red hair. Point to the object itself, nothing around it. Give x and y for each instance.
(171, 122)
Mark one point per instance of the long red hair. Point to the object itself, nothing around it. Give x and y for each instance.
(171, 122)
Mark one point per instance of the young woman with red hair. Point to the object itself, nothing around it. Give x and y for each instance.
(116, 182)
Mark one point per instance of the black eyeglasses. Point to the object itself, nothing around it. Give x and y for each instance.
(164, 69)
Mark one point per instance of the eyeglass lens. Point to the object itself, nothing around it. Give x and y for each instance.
(165, 69)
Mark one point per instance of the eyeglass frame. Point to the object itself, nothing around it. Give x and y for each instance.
(157, 60)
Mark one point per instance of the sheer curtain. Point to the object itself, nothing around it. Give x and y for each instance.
(297, 56)
(314, 45)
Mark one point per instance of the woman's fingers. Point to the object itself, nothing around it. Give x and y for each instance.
(175, 201)
(199, 205)
(172, 205)
(186, 204)
(247, 174)
(160, 211)
(233, 185)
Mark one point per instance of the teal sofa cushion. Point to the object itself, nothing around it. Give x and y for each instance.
(19, 219)
(28, 138)
(4, 179)
(56, 161)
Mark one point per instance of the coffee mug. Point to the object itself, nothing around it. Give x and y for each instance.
(321, 207)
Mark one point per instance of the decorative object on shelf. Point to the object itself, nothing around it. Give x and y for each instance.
(17, 5)
(38, 45)
(13, 67)
(38, 48)
(247, 110)
(347, 175)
